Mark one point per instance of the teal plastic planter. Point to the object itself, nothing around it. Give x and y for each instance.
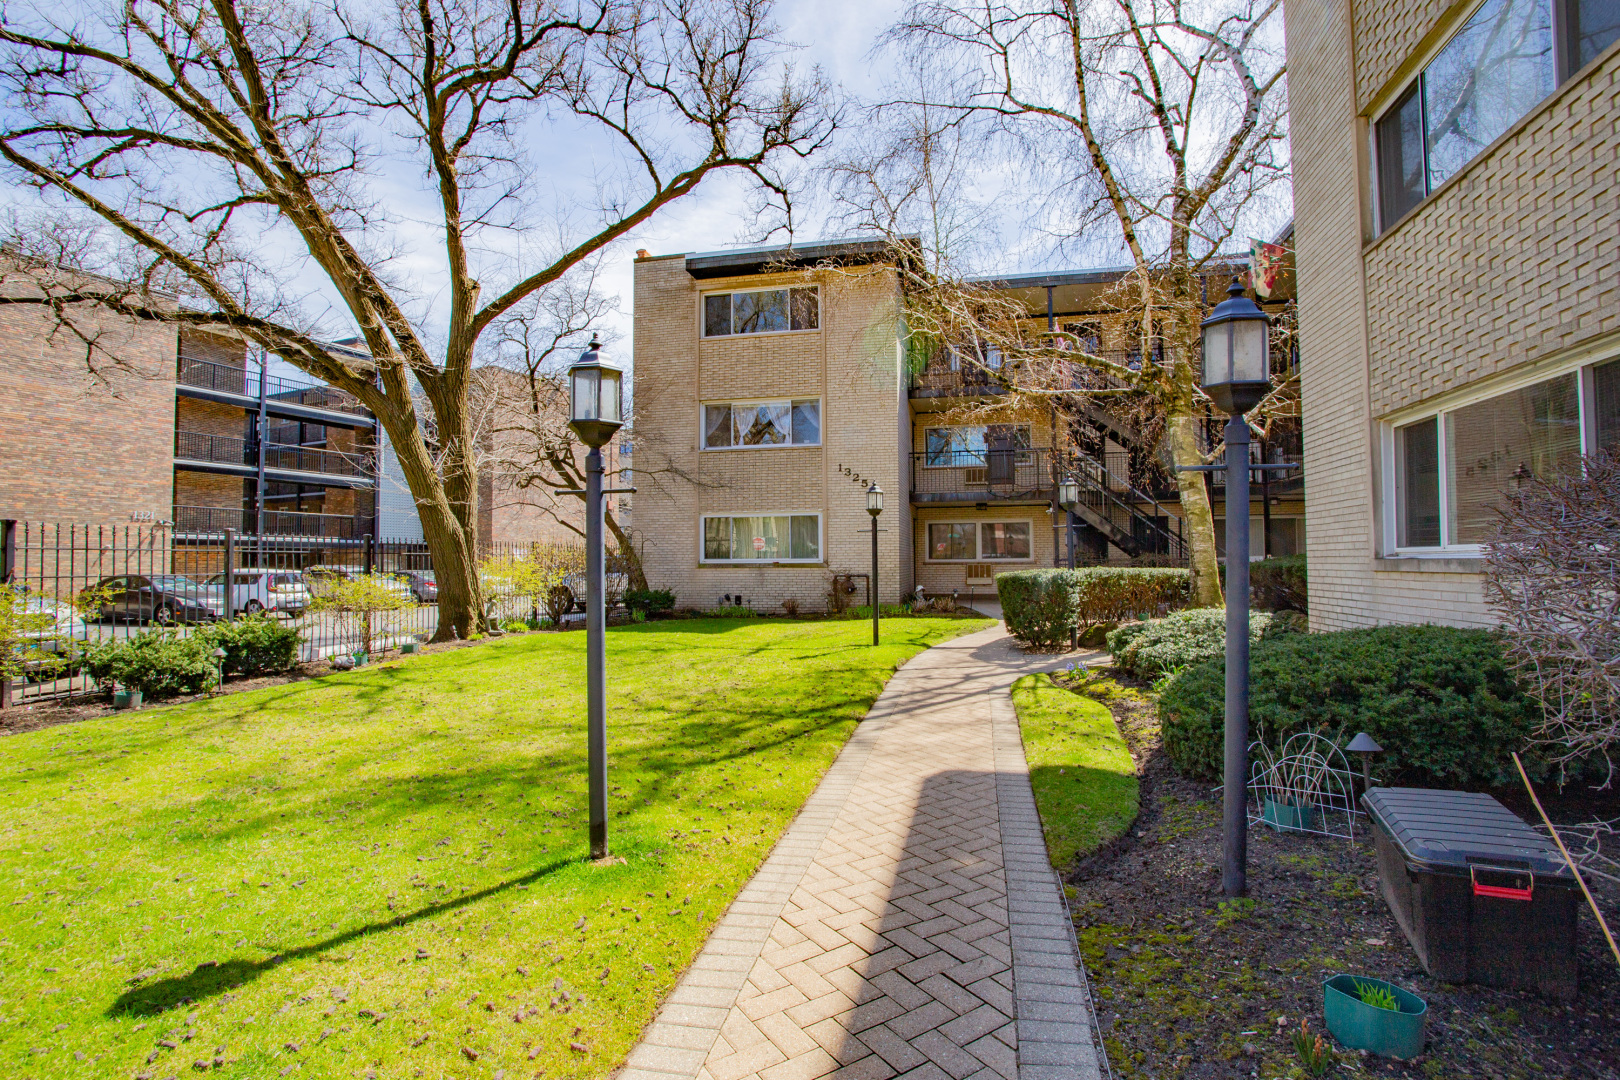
(1360, 1026)
(360, 659)
(409, 647)
(1289, 817)
(126, 699)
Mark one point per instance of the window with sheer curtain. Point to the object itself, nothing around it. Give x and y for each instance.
(761, 311)
(762, 538)
(762, 423)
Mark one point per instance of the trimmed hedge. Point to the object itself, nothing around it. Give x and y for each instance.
(1040, 606)
(1150, 649)
(158, 663)
(1439, 700)
(1278, 584)
(253, 644)
(650, 601)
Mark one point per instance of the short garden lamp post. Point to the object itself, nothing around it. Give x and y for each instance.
(219, 666)
(874, 506)
(1364, 745)
(1236, 376)
(595, 413)
(1068, 499)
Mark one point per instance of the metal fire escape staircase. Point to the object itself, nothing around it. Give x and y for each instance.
(1112, 506)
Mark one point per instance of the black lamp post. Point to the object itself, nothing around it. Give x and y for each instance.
(1237, 374)
(1068, 499)
(874, 506)
(595, 412)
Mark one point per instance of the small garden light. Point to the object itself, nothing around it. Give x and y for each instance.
(1364, 745)
(219, 664)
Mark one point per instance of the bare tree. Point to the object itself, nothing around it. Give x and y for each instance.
(241, 151)
(1156, 124)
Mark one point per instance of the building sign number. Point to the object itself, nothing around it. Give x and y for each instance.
(141, 515)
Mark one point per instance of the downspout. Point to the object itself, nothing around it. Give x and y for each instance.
(264, 435)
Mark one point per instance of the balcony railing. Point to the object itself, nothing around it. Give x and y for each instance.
(195, 446)
(214, 520)
(229, 379)
(970, 475)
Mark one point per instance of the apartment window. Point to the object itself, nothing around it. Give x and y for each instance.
(762, 538)
(982, 541)
(1451, 469)
(761, 311)
(762, 423)
(956, 447)
(1506, 58)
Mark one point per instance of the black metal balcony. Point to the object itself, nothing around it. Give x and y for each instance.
(214, 520)
(245, 382)
(195, 446)
(969, 476)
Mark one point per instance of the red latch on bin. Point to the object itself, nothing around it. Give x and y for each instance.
(1504, 892)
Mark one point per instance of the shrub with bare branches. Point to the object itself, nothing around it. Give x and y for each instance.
(1553, 577)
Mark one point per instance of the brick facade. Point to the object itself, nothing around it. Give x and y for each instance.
(1512, 261)
(852, 363)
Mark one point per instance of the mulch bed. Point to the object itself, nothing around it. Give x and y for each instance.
(1189, 984)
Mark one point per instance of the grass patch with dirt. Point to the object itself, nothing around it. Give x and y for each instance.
(1081, 770)
(384, 872)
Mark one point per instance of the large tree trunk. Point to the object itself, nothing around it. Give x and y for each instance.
(1198, 521)
(628, 552)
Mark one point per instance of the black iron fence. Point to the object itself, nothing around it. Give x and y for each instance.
(90, 584)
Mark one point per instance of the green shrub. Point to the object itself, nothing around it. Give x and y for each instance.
(650, 601)
(516, 626)
(1439, 700)
(1278, 584)
(1113, 594)
(158, 663)
(1117, 639)
(253, 644)
(1186, 637)
(1040, 606)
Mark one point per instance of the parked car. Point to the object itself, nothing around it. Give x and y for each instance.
(422, 585)
(160, 598)
(255, 591)
(67, 627)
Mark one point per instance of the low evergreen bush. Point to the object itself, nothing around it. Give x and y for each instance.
(1439, 700)
(650, 601)
(253, 644)
(1184, 637)
(1278, 584)
(1040, 606)
(158, 663)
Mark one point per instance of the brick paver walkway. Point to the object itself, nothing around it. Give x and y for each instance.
(909, 923)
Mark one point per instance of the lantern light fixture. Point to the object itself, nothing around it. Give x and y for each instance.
(595, 397)
(1237, 367)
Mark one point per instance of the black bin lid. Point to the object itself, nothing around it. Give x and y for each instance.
(1445, 831)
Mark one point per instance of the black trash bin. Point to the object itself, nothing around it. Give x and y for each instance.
(1481, 896)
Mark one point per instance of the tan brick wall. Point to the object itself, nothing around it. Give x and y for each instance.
(852, 363)
(75, 449)
(1514, 259)
(1389, 34)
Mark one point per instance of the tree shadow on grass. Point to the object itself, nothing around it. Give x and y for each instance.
(207, 980)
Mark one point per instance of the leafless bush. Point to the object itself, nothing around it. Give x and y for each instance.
(1553, 577)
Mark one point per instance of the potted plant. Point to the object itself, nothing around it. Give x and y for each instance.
(1369, 1014)
(360, 657)
(1289, 815)
(126, 699)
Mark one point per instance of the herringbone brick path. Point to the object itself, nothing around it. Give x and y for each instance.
(908, 924)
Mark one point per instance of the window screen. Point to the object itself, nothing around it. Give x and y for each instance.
(1493, 446)
(1606, 406)
(1400, 158)
(1593, 26)
(1004, 540)
(1417, 448)
(762, 311)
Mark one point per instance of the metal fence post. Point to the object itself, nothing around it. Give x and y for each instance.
(8, 550)
(371, 553)
(230, 574)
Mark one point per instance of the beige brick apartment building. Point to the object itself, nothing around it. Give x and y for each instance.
(1457, 213)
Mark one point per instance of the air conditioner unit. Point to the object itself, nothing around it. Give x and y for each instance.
(980, 573)
(976, 476)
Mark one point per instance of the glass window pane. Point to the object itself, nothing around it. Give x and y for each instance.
(937, 442)
(767, 424)
(806, 541)
(950, 541)
(1400, 159)
(1594, 25)
(1492, 72)
(717, 425)
(1606, 407)
(1004, 540)
(805, 313)
(717, 538)
(717, 315)
(763, 537)
(1493, 446)
(759, 312)
(1417, 447)
(807, 422)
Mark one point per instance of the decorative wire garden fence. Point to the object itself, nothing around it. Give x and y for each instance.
(1306, 786)
(90, 584)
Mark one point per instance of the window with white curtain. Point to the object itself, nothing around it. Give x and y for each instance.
(762, 538)
(727, 425)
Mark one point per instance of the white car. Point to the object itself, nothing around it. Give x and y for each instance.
(257, 591)
(68, 626)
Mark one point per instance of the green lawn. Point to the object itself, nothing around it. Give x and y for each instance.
(1081, 770)
(384, 872)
